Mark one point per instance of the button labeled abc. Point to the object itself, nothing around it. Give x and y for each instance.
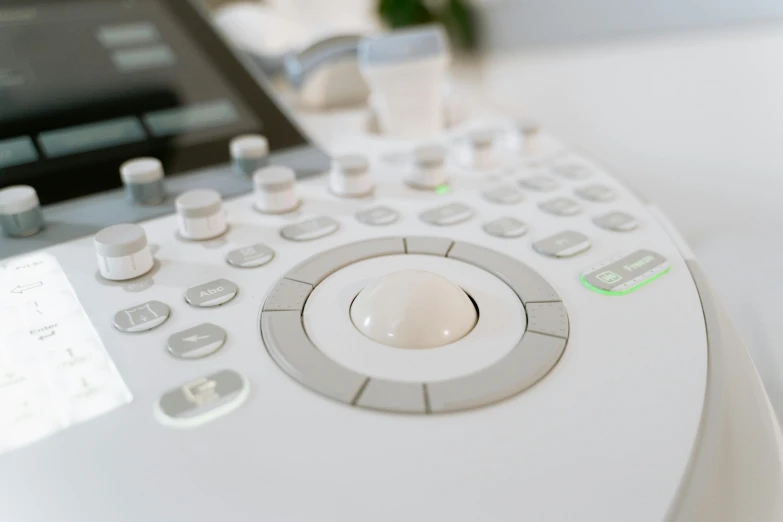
(214, 293)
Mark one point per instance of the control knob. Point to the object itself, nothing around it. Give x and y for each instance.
(275, 190)
(143, 180)
(123, 252)
(249, 153)
(200, 214)
(20, 211)
(350, 176)
(429, 170)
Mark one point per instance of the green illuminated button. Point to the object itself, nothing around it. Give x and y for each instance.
(625, 273)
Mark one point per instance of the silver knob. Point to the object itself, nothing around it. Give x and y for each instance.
(20, 211)
(249, 152)
(123, 252)
(429, 169)
(350, 176)
(275, 190)
(200, 214)
(143, 180)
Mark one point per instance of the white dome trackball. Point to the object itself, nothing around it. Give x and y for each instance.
(413, 309)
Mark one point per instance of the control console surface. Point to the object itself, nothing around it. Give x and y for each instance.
(288, 349)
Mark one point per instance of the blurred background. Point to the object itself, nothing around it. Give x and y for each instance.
(681, 99)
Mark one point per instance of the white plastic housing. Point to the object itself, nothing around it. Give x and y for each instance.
(126, 267)
(201, 228)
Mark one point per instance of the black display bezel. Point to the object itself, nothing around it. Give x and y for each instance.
(67, 177)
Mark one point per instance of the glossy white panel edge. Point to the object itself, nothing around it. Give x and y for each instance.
(736, 469)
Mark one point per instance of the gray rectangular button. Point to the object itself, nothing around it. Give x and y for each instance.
(288, 295)
(141, 318)
(203, 399)
(214, 293)
(538, 183)
(127, 34)
(547, 318)
(446, 215)
(528, 285)
(194, 117)
(199, 341)
(16, 151)
(315, 269)
(597, 193)
(310, 229)
(564, 244)
(573, 171)
(378, 216)
(561, 207)
(434, 246)
(617, 221)
(506, 227)
(627, 272)
(250, 256)
(290, 347)
(401, 397)
(526, 364)
(91, 136)
(142, 58)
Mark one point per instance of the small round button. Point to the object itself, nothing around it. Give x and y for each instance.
(143, 180)
(275, 190)
(20, 211)
(200, 214)
(249, 152)
(413, 309)
(350, 176)
(429, 170)
(123, 252)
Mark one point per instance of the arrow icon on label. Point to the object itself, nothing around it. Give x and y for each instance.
(195, 338)
(20, 289)
(42, 337)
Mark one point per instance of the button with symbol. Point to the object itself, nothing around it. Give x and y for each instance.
(250, 256)
(564, 244)
(451, 214)
(560, 207)
(202, 400)
(141, 318)
(378, 216)
(310, 229)
(214, 293)
(197, 342)
(617, 221)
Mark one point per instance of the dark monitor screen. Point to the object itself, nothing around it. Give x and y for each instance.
(88, 84)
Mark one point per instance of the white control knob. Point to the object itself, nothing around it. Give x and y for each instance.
(429, 167)
(123, 252)
(143, 180)
(249, 153)
(482, 147)
(350, 176)
(413, 309)
(200, 214)
(20, 211)
(275, 190)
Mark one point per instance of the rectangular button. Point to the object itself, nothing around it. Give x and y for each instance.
(92, 136)
(137, 59)
(194, 117)
(16, 151)
(127, 34)
(625, 273)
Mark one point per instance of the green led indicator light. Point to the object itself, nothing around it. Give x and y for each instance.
(442, 189)
(626, 291)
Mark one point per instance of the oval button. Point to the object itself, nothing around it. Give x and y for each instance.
(214, 293)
